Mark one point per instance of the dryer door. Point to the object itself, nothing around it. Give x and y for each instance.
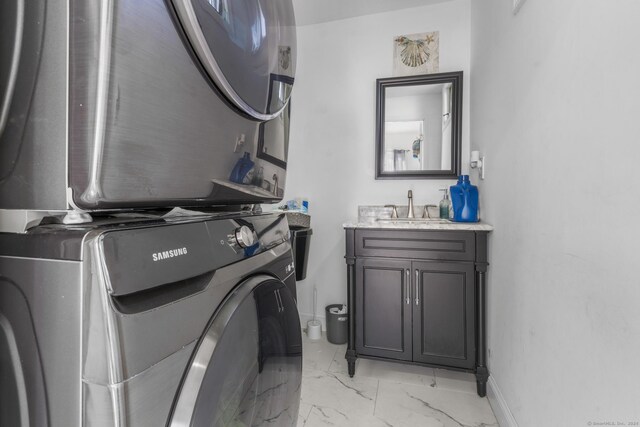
(247, 367)
(246, 47)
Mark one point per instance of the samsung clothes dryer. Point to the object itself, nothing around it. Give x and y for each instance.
(125, 104)
(168, 321)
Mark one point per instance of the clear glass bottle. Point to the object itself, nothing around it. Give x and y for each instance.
(445, 205)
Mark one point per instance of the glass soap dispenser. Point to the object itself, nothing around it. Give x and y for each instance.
(445, 205)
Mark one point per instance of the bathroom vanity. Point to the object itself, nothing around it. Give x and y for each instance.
(417, 292)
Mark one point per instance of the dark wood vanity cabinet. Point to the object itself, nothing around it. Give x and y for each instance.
(419, 297)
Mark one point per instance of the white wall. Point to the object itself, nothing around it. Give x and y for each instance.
(332, 151)
(555, 110)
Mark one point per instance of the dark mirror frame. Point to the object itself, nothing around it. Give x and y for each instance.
(455, 78)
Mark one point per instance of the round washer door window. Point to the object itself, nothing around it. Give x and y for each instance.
(248, 48)
(247, 368)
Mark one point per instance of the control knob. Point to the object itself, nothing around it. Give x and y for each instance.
(245, 237)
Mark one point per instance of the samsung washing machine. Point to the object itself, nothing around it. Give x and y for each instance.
(168, 320)
(128, 104)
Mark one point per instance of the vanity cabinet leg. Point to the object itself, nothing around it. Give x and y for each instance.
(351, 354)
(351, 361)
(482, 373)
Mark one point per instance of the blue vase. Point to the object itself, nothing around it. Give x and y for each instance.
(464, 198)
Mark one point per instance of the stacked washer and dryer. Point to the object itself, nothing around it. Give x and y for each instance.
(140, 284)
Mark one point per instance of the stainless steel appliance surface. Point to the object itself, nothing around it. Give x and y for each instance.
(164, 321)
(142, 104)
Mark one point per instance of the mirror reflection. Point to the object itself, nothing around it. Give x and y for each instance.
(270, 139)
(419, 126)
(271, 134)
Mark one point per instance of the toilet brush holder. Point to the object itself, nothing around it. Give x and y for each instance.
(314, 329)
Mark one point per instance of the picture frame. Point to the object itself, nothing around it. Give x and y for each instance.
(416, 54)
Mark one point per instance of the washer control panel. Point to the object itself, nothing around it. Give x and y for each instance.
(248, 235)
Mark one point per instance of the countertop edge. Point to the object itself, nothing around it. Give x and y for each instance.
(421, 227)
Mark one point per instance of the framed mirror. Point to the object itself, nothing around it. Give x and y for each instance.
(419, 126)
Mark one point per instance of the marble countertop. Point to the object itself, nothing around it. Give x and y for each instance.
(379, 217)
(419, 225)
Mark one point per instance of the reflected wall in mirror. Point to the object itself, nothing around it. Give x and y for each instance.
(418, 129)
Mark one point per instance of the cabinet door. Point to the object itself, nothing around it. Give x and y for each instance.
(383, 308)
(444, 313)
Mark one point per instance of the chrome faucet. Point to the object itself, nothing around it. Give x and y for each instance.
(275, 184)
(410, 213)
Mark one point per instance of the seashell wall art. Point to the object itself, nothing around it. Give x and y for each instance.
(416, 54)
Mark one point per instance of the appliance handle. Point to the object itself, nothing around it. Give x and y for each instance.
(417, 287)
(279, 300)
(15, 62)
(151, 298)
(407, 288)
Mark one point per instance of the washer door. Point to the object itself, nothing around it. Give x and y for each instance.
(242, 45)
(247, 368)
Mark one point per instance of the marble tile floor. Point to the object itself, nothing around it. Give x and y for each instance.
(385, 394)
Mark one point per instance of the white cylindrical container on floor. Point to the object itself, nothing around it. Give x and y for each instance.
(314, 329)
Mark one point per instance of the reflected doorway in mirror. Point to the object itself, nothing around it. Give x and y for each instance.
(403, 148)
(416, 54)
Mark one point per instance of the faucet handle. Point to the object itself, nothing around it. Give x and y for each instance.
(410, 194)
(394, 212)
(425, 213)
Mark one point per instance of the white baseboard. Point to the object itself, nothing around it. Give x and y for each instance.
(499, 405)
(305, 317)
